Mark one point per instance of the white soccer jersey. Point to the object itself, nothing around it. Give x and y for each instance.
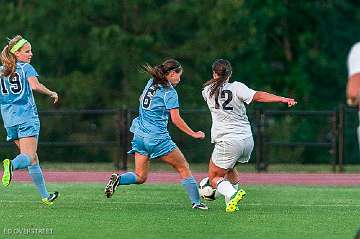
(354, 59)
(228, 112)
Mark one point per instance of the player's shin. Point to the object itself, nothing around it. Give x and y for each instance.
(191, 187)
(38, 179)
(21, 161)
(127, 178)
(225, 188)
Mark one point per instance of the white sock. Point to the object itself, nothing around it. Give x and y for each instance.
(236, 187)
(225, 188)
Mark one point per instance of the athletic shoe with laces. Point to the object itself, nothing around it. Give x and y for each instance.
(232, 205)
(8, 172)
(50, 200)
(200, 206)
(112, 185)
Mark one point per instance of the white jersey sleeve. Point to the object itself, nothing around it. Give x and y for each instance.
(243, 92)
(354, 60)
(203, 93)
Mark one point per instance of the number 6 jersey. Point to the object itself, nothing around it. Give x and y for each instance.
(228, 112)
(16, 98)
(156, 101)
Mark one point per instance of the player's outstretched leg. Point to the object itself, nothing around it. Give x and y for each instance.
(50, 200)
(8, 171)
(234, 201)
(112, 185)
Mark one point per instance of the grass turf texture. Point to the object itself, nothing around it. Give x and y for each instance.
(163, 211)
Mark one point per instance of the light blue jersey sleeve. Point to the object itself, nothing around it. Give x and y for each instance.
(30, 71)
(171, 99)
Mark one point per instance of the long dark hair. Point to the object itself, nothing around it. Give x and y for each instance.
(223, 69)
(160, 72)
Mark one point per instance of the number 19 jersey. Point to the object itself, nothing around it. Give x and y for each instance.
(16, 98)
(228, 112)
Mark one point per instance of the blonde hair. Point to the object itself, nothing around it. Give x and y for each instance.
(8, 59)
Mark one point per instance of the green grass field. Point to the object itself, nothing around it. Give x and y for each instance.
(163, 211)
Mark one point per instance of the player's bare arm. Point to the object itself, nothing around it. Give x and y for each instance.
(261, 96)
(353, 90)
(181, 124)
(38, 87)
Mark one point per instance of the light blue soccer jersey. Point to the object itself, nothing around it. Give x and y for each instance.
(156, 101)
(16, 97)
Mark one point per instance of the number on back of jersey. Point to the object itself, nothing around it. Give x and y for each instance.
(228, 96)
(148, 97)
(14, 84)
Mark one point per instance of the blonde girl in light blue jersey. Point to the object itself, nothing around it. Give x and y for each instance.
(18, 79)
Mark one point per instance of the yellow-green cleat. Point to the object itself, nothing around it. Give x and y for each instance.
(6, 178)
(232, 205)
(50, 200)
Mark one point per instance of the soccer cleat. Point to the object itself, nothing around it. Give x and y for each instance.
(6, 178)
(50, 200)
(112, 185)
(200, 206)
(209, 198)
(232, 205)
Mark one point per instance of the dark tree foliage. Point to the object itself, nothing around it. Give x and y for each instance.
(90, 50)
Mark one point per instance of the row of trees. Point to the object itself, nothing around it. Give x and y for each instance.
(91, 50)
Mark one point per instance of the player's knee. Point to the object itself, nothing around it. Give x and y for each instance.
(184, 165)
(33, 158)
(213, 182)
(140, 179)
(184, 170)
(215, 177)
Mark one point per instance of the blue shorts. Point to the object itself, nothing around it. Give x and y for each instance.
(23, 130)
(151, 147)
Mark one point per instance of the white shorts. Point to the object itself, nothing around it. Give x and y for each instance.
(227, 153)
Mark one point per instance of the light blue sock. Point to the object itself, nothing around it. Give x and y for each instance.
(21, 161)
(38, 179)
(192, 189)
(127, 178)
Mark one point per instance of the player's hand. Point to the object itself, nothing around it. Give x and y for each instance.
(289, 101)
(199, 135)
(54, 96)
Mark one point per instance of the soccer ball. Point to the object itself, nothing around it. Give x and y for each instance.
(206, 191)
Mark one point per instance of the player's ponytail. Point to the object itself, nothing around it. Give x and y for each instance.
(160, 72)
(8, 59)
(223, 69)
